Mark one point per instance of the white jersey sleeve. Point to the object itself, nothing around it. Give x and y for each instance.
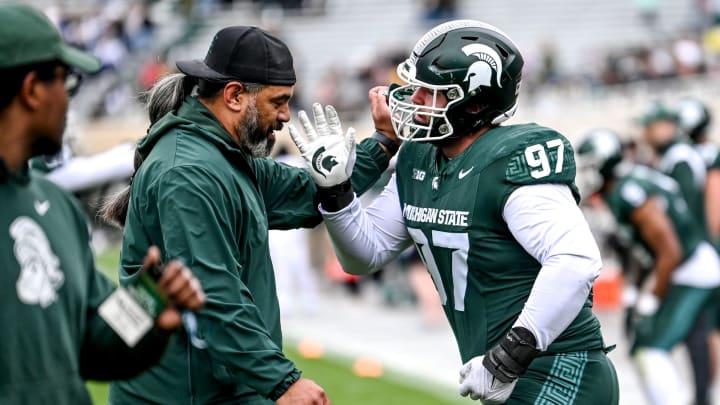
(367, 239)
(549, 225)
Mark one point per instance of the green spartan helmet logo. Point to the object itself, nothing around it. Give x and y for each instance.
(323, 164)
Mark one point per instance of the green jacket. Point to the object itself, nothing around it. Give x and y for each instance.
(53, 338)
(201, 198)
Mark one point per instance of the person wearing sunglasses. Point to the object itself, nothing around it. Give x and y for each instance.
(56, 308)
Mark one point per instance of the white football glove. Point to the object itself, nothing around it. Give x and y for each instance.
(476, 381)
(329, 153)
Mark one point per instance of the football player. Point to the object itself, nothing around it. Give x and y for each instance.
(493, 213)
(676, 158)
(686, 271)
(693, 118)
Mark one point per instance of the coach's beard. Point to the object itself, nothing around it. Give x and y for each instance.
(255, 141)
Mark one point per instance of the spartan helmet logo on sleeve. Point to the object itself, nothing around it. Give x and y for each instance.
(40, 275)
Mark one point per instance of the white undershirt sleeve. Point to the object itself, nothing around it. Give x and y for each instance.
(367, 239)
(549, 225)
(84, 172)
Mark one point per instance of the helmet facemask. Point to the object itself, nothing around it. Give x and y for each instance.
(588, 178)
(407, 117)
(472, 65)
(598, 159)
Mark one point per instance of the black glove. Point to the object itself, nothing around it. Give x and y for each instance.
(512, 356)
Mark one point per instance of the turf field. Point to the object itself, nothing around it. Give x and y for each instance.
(334, 373)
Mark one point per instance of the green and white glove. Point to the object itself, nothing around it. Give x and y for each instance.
(492, 377)
(477, 382)
(329, 153)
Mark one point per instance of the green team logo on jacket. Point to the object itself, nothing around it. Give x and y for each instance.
(40, 274)
(323, 164)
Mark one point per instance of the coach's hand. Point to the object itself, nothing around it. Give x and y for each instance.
(302, 392)
(476, 381)
(329, 152)
(179, 285)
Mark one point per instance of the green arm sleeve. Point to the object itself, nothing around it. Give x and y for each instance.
(198, 224)
(289, 192)
(103, 354)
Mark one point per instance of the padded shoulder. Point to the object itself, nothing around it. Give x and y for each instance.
(538, 155)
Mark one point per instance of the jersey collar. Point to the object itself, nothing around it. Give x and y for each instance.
(22, 176)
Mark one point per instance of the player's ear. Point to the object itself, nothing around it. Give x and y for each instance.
(235, 96)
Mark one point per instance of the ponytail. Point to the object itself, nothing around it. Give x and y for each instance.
(168, 94)
(164, 97)
(115, 208)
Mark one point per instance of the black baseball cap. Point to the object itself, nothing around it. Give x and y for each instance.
(246, 54)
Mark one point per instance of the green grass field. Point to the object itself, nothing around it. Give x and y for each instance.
(343, 387)
(333, 373)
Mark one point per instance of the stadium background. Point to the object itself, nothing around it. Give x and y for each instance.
(588, 64)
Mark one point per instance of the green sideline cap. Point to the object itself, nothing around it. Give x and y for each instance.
(27, 37)
(657, 111)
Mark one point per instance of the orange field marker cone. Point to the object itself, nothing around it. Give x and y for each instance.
(607, 289)
(367, 367)
(310, 349)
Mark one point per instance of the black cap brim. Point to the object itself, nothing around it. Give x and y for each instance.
(198, 68)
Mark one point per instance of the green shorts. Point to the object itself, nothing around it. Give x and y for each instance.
(678, 312)
(585, 377)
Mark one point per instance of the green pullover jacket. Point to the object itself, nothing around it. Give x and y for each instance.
(52, 336)
(201, 198)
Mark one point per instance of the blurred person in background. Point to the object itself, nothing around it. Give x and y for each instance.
(423, 288)
(686, 269)
(675, 157)
(290, 252)
(493, 212)
(206, 191)
(55, 336)
(694, 119)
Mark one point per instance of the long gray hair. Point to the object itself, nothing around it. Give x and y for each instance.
(166, 96)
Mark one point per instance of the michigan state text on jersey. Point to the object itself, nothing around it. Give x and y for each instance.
(493, 212)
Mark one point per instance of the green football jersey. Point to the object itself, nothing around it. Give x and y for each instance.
(686, 166)
(710, 154)
(453, 211)
(641, 183)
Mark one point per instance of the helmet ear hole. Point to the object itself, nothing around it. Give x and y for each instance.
(502, 50)
(478, 69)
(475, 108)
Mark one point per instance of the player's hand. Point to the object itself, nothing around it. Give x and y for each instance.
(304, 391)
(178, 284)
(380, 111)
(477, 382)
(643, 317)
(329, 153)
